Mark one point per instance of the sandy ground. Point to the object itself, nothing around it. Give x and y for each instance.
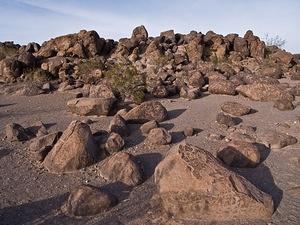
(31, 195)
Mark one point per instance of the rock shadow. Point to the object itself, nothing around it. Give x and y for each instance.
(32, 213)
(177, 136)
(172, 114)
(5, 105)
(136, 137)
(148, 162)
(4, 152)
(167, 126)
(118, 189)
(262, 178)
(264, 151)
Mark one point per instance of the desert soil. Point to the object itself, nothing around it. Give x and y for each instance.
(31, 195)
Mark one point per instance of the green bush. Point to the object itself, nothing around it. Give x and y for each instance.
(7, 51)
(127, 81)
(86, 69)
(37, 75)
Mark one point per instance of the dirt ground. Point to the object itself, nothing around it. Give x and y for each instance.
(31, 195)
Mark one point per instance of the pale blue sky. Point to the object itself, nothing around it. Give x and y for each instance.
(38, 20)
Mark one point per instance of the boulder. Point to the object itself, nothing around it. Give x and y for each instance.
(10, 69)
(87, 201)
(160, 91)
(284, 57)
(272, 71)
(235, 108)
(264, 92)
(190, 93)
(91, 106)
(75, 149)
(196, 80)
(224, 87)
(101, 91)
(283, 105)
(276, 140)
(192, 184)
(118, 125)
(15, 132)
(85, 44)
(121, 167)
(114, 143)
(225, 120)
(159, 136)
(239, 154)
(41, 146)
(28, 59)
(147, 111)
(189, 131)
(147, 127)
(241, 46)
(256, 47)
(139, 34)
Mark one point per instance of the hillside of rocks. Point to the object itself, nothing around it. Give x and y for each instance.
(179, 129)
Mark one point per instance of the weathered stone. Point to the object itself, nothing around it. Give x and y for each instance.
(295, 90)
(188, 131)
(85, 44)
(121, 167)
(91, 106)
(189, 93)
(241, 46)
(272, 71)
(283, 105)
(75, 149)
(10, 69)
(159, 136)
(87, 201)
(160, 91)
(118, 125)
(196, 80)
(41, 146)
(235, 108)
(224, 87)
(147, 127)
(147, 111)
(226, 120)
(101, 91)
(276, 140)
(28, 59)
(15, 132)
(239, 154)
(139, 34)
(114, 143)
(192, 184)
(264, 92)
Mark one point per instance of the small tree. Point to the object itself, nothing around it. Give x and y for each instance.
(274, 41)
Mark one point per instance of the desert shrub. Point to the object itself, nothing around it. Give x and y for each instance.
(37, 75)
(7, 51)
(87, 68)
(126, 81)
(274, 41)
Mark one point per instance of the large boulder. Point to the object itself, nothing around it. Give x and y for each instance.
(256, 47)
(75, 149)
(241, 46)
(121, 167)
(192, 184)
(224, 87)
(85, 44)
(276, 140)
(91, 106)
(87, 201)
(118, 125)
(139, 34)
(10, 69)
(264, 92)
(147, 111)
(240, 154)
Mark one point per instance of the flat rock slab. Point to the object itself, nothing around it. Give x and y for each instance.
(193, 184)
(91, 106)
